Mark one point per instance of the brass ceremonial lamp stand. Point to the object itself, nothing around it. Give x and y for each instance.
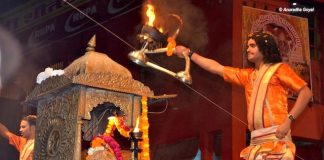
(135, 138)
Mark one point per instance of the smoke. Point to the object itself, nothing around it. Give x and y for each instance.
(10, 56)
(194, 29)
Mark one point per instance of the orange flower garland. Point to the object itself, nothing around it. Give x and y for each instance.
(119, 123)
(99, 143)
(144, 126)
(171, 45)
(110, 126)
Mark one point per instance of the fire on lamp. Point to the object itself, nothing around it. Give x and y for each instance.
(136, 129)
(135, 137)
(153, 41)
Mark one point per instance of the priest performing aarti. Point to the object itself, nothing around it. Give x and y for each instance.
(266, 83)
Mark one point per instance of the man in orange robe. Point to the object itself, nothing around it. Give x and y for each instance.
(266, 85)
(25, 143)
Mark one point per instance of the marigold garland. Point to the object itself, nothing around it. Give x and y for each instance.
(122, 128)
(110, 126)
(144, 126)
(171, 45)
(107, 143)
(101, 141)
(119, 123)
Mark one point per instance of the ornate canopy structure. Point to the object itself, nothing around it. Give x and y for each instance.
(65, 102)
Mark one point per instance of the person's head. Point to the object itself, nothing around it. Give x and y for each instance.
(262, 46)
(28, 126)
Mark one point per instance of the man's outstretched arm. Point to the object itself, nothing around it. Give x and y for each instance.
(4, 131)
(207, 64)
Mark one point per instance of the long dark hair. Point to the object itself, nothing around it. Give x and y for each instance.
(267, 46)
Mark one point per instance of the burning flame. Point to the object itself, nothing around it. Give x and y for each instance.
(136, 129)
(151, 17)
(161, 29)
(150, 14)
(171, 40)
